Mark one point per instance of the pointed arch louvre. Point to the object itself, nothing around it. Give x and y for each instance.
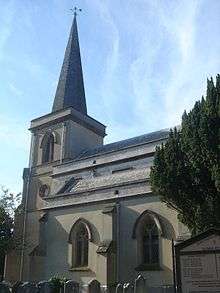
(47, 135)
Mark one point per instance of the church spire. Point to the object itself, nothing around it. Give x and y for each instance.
(70, 90)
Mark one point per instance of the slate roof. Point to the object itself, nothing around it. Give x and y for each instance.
(123, 144)
(70, 90)
(110, 180)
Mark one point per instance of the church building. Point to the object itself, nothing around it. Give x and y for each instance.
(89, 212)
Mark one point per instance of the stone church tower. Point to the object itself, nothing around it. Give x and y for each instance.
(89, 212)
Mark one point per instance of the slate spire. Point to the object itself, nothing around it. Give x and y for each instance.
(70, 90)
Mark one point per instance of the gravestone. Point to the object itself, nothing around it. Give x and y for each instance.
(105, 289)
(45, 287)
(16, 286)
(139, 285)
(84, 288)
(19, 288)
(71, 287)
(197, 263)
(94, 287)
(4, 288)
(128, 288)
(28, 288)
(119, 288)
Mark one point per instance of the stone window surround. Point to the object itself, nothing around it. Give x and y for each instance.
(72, 244)
(137, 234)
(50, 137)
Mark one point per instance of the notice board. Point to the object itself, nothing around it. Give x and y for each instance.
(197, 263)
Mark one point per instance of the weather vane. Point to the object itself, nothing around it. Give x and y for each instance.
(75, 10)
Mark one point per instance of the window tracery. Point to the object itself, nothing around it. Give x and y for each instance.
(150, 243)
(147, 231)
(79, 239)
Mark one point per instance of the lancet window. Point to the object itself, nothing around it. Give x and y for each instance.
(79, 240)
(147, 231)
(150, 243)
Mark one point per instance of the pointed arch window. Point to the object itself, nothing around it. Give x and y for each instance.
(48, 148)
(79, 238)
(147, 231)
(150, 243)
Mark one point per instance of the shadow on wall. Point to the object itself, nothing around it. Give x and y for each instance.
(131, 267)
(57, 259)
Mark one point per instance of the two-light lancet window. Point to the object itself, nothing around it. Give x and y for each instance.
(150, 243)
(147, 232)
(79, 240)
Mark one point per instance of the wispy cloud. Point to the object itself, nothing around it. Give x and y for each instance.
(15, 90)
(13, 134)
(169, 38)
(14, 147)
(161, 59)
(5, 24)
(181, 27)
(112, 59)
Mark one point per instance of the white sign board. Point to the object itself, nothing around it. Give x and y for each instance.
(200, 273)
(198, 266)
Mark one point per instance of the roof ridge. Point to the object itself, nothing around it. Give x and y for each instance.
(125, 143)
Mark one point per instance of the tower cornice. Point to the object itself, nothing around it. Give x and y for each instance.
(68, 114)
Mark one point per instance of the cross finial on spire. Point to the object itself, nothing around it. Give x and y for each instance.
(75, 10)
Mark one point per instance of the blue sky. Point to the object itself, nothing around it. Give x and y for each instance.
(144, 62)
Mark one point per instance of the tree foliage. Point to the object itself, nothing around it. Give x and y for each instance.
(8, 205)
(186, 171)
(6, 229)
(9, 201)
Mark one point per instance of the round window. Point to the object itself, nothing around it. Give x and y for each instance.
(44, 190)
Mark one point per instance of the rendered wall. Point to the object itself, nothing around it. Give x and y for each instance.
(129, 212)
(58, 259)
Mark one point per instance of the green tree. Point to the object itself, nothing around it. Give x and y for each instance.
(186, 170)
(8, 206)
(6, 230)
(9, 201)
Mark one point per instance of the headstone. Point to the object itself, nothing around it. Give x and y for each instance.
(94, 287)
(84, 288)
(28, 288)
(71, 287)
(45, 287)
(119, 288)
(139, 285)
(128, 288)
(4, 288)
(105, 289)
(16, 286)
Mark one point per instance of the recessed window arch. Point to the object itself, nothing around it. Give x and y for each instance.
(147, 231)
(47, 146)
(150, 242)
(79, 238)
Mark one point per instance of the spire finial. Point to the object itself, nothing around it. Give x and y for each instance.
(75, 10)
